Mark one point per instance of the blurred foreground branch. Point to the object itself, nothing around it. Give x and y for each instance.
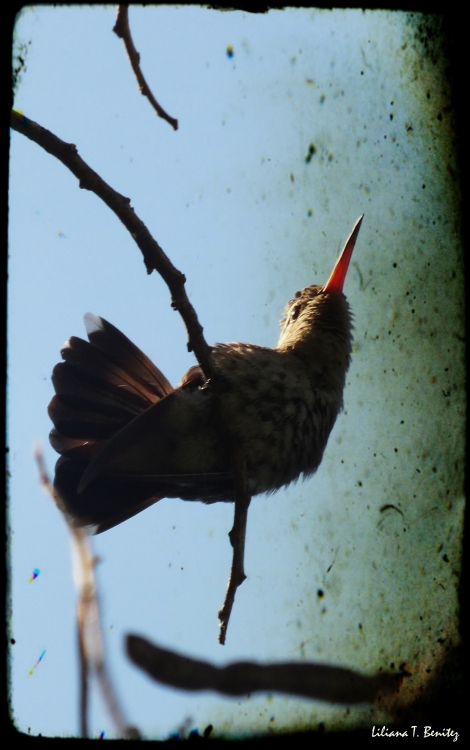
(90, 640)
(307, 680)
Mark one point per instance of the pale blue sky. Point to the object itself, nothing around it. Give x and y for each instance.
(232, 200)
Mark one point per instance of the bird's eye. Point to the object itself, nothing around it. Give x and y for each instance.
(295, 312)
(297, 294)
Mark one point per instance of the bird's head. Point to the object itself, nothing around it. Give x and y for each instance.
(317, 323)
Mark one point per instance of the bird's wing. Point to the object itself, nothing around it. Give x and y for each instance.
(177, 442)
(173, 449)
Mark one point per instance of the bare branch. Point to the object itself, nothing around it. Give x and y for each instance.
(90, 639)
(154, 256)
(307, 680)
(156, 259)
(122, 30)
(237, 539)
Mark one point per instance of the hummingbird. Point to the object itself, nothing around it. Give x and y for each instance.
(127, 438)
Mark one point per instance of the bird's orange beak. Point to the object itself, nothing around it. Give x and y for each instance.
(336, 281)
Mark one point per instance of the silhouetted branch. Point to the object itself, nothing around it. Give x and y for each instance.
(121, 28)
(307, 680)
(154, 256)
(83, 678)
(90, 640)
(237, 539)
(156, 259)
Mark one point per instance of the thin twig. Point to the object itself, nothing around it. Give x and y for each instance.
(237, 539)
(121, 28)
(306, 679)
(90, 639)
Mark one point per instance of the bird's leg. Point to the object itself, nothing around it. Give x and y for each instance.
(237, 539)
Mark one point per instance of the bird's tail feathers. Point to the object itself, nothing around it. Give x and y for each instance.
(101, 385)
